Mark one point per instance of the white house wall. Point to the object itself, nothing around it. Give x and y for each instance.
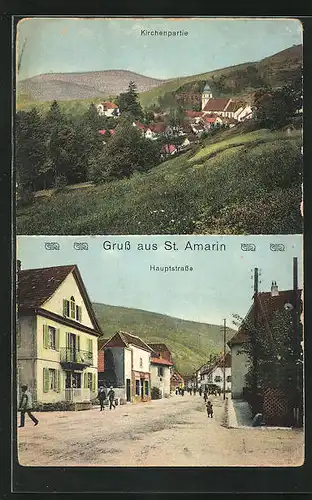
(240, 366)
(163, 383)
(145, 355)
(128, 363)
(67, 289)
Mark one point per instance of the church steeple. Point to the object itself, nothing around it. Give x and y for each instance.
(206, 95)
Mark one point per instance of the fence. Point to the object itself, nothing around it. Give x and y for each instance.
(77, 395)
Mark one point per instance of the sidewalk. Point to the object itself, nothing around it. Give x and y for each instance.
(239, 413)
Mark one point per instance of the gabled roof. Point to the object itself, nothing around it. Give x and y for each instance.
(161, 361)
(127, 339)
(268, 305)
(216, 105)
(193, 114)
(101, 343)
(234, 106)
(109, 105)
(159, 347)
(157, 127)
(36, 286)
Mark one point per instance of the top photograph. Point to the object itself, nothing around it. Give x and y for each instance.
(158, 126)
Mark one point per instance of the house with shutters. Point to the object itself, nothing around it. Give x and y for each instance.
(108, 109)
(127, 367)
(57, 354)
(161, 366)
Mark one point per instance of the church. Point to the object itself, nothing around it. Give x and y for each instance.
(224, 107)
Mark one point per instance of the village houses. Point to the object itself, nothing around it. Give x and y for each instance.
(161, 365)
(214, 373)
(108, 109)
(269, 303)
(127, 367)
(57, 336)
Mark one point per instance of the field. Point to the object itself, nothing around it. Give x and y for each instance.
(191, 343)
(237, 183)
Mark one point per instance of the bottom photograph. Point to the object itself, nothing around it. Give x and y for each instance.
(159, 351)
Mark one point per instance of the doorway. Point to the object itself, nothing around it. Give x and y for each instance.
(142, 388)
(128, 389)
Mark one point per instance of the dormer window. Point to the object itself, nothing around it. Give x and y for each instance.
(71, 309)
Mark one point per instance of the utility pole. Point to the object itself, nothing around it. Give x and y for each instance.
(253, 339)
(224, 349)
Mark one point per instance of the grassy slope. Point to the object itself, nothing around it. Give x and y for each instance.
(180, 195)
(190, 342)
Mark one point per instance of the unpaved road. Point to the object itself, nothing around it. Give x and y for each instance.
(168, 432)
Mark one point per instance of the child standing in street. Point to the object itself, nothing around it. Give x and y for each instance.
(209, 409)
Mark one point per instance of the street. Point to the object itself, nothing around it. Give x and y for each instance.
(166, 432)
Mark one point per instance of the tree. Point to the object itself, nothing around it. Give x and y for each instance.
(129, 102)
(274, 109)
(31, 151)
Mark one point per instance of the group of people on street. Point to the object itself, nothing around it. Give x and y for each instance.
(110, 396)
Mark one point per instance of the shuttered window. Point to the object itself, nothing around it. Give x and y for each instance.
(45, 336)
(72, 308)
(78, 313)
(46, 380)
(65, 307)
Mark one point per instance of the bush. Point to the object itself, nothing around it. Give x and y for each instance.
(156, 393)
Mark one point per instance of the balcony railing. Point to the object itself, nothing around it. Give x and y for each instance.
(77, 395)
(68, 355)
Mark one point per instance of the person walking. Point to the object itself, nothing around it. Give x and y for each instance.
(191, 389)
(26, 405)
(101, 397)
(195, 389)
(111, 398)
(200, 391)
(205, 395)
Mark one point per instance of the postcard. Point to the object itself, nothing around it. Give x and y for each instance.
(177, 350)
(158, 125)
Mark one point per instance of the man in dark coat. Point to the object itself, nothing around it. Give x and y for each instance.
(111, 398)
(25, 406)
(101, 397)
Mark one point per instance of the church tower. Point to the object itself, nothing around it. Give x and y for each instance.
(206, 95)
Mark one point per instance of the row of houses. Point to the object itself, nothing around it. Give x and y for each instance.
(59, 354)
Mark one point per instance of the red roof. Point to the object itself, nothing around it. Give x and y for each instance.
(112, 131)
(161, 361)
(140, 125)
(102, 132)
(210, 119)
(216, 105)
(109, 105)
(193, 114)
(169, 148)
(157, 127)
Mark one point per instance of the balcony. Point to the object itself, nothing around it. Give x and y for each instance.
(77, 395)
(73, 359)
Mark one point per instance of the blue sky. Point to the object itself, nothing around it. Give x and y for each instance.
(69, 45)
(219, 286)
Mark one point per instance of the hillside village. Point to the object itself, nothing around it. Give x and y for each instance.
(99, 154)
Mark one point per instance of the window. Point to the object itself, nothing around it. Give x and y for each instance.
(141, 362)
(160, 370)
(228, 378)
(217, 378)
(72, 308)
(51, 337)
(137, 387)
(52, 380)
(146, 387)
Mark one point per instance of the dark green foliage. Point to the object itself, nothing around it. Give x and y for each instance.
(129, 102)
(252, 189)
(155, 393)
(273, 344)
(274, 109)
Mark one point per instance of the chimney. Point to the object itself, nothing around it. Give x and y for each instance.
(274, 289)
